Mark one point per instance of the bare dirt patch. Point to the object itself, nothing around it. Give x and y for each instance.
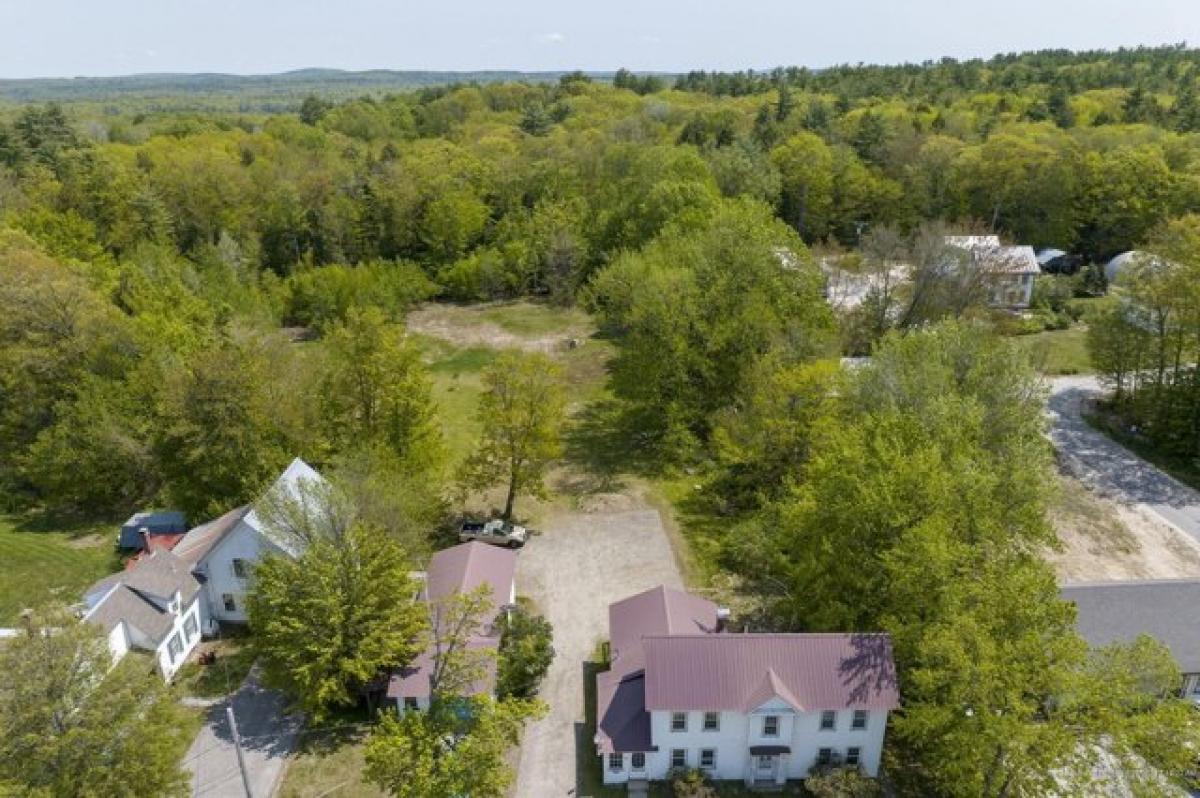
(1106, 540)
(476, 325)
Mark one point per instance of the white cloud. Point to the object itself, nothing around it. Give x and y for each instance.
(554, 38)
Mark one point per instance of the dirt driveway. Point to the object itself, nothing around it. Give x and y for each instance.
(579, 565)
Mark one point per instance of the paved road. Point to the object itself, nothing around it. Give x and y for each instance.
(573, 571)
(1111, 469)
(268, 737)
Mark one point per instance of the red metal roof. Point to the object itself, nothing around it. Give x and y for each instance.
(732, 672)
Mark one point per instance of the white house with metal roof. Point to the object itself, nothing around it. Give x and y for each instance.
(682, 692)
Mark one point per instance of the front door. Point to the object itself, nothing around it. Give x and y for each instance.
(764, 767)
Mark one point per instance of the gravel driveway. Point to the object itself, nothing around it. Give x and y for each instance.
(573, 571)
(1111, 469)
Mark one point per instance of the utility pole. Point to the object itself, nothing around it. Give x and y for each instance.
(237, 744)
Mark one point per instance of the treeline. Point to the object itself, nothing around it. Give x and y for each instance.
(1146, 345)
(1158, 68)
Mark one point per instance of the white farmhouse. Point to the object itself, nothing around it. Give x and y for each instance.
(223, 552)
(154, 605)
(758, 708)
(166, 599)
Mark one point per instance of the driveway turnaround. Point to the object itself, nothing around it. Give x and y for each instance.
(573, 571)
(1111, 469)
(268, 737)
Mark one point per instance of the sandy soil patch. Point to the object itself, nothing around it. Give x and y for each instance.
(1103, 539)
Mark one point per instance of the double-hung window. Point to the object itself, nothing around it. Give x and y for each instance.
(678, 721)
(824, 756)
(637, 760)
(708, 759)
(771, 726)
(860, 719)
(712, 721)
(828, 720)
(853, 755)
(229, 601)
(240, 569)
(678, 758)
(190, 628)
(174, 647)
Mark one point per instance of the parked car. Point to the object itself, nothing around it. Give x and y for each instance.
(496, 532)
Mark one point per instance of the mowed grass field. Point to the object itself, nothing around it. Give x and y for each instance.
(39, 564)
(1058, 352)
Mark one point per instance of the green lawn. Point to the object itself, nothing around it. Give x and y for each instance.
(536, 319)
(328, 763)
(39, 562)
(1058, 351)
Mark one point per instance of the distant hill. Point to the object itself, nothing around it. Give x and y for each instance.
(255, 92)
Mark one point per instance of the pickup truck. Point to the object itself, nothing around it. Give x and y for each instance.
(496, 532)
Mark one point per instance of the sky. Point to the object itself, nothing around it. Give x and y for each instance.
(62, 38)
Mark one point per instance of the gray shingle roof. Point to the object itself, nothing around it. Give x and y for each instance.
(1117, 612)
(126, 596)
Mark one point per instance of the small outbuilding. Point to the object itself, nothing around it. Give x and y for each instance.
(156, 523)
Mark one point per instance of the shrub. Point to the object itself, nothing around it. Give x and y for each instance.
(691, 783)
(841, 782)
(526, 651)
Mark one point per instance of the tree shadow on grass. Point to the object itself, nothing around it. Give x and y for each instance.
(607, 442)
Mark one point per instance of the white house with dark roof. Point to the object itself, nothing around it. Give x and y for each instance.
(759, 708)
(155, 605)
(459, 569)
(1118, 612)
(167, 599)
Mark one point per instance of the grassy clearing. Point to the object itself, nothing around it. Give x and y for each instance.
(533, 319)
(42, 561)
(328, 763)
(1058, 351)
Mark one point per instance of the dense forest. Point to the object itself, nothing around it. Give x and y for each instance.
(183, 235)
(188, 300)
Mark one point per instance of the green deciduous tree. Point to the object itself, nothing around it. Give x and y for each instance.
(521, 413)
(526, 651)
(74, 729)
(357, 584)
(445, 753)
(376, 392)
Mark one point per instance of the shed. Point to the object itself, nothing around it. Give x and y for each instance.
(160, 522)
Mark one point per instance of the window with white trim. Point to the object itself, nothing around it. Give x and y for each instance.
(712, 721)
(240, 569)
(616, 762)
(410, 703)
(708, 759)
(824, 756)
(860, 719)
(770, 726)
(828, 720)
(678, 721)
(678, 758)
(853, 755)
(230, 603)
(637, 760)
(190, 628)
(174, 647)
